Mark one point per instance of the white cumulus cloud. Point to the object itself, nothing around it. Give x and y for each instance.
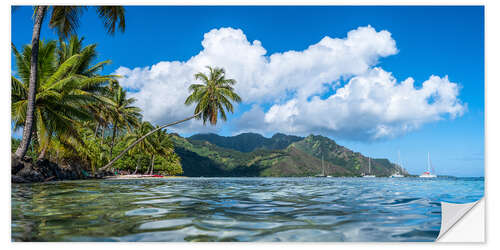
(371, 105)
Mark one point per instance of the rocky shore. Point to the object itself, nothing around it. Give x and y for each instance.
(25, 171)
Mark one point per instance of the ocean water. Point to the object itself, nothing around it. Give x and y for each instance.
(237, 209)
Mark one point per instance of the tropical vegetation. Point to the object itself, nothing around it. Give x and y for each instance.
(65, 20)
(80, 115)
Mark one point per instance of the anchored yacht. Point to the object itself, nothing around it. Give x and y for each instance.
(398, 173)
(428, 174)
(369, 175)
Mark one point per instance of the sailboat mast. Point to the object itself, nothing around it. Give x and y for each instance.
(323, 166)
(428, 162)
(369, 165)
(399, 161)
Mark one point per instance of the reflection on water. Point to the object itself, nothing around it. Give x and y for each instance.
(236, 209)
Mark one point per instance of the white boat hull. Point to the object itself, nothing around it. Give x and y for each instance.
(397, 176)
(369, 176)
(428, 176)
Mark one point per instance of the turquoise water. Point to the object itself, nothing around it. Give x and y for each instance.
(237, 209)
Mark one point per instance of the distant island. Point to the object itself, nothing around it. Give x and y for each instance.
(253, 155)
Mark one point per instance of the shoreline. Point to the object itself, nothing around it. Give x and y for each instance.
(139, 176)
(42, 171)
(148, 177)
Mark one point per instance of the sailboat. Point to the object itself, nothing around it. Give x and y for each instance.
(428, 174)
(323, 167)
(369, 175)
(398, 174)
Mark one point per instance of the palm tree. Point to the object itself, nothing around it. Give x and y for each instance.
(30, 112)
(144, 145)
(123, 114)
(88, 54)
(160, 145)
(62, 96)
(215, 94)
(65, 19)
(212, 96)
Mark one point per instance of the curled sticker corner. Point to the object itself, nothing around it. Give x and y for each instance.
(452, 213)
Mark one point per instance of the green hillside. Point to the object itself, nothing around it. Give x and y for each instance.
(248, 142)
(252, 154)
(357, 164)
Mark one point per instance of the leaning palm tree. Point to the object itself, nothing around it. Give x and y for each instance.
(65, 19)
(211, 97)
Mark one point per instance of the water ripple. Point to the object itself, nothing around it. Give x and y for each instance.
(236, 209)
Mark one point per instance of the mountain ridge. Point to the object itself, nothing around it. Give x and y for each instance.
(251, 154)
(248, 142)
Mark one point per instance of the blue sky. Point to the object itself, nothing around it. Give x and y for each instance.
(440, 41)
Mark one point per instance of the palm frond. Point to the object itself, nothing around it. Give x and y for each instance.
(111, 17)
(97, 67)
(214, 96)
(65, 19)
(62, 70)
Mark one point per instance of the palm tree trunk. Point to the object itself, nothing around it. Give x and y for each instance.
(96, 130)
(30, 112)
(152, 164)
(143, 137)
(112, 141)
(136, 166)
(45, 146)
(92, 167)
(147, 170)
(43, 152)
(102, 133)
(34, 138)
